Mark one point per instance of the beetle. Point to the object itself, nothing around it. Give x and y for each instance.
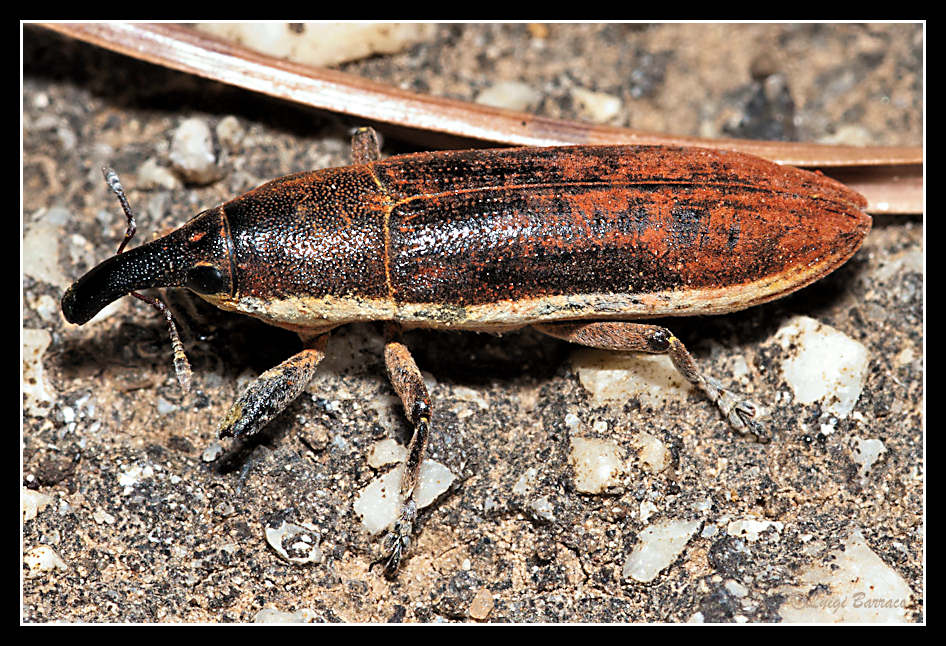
(579, 242)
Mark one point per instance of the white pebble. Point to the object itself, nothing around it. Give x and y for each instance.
(511, 95)
(867, 452)
(164, 407)
(38, 394)
(33, 502)
(853, 586)
(647, 509)
(386, 452)
(192, 153)
(102, 517)
(652, 452)
(41, 253)
(709, 531)
(525, 481)
(470, 395)
(46, 306)
(379, 504)
(133, 475)
(543, 508)
(323, 44)
(610, 376)
(736, 589)
(825, 365)
(42, 559)
(750, 529)
(303, 541)
(598, 107)
(230, 132)
(151, 176)
(659, 546)
(597, 464)
(274, 616)
(212, 452)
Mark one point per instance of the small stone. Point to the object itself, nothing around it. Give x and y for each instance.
(597, 464)
(379, 504)
(192, 153)
(40, 248)
(597, 107)
(295, 543)
(482, 604)
(525, 481)
(750, 529)
(652, 452)
(38, 394)
(736, 589)
(33, 502)
(854, 585)
(42, 559)
(212, 452)
(386, 452)
(610, 376)
(867, 452)
(572, 421)
(323, 44)
(229, 132)
(164, 407)
(152, 176)
(102, 517)
(659, 545)
(823, 365)
(511, 95)
(543, 509)
(46, 306)
(275, 616)
(134, 474)
(647, 509)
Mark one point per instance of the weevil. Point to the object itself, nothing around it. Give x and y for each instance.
(578, 242)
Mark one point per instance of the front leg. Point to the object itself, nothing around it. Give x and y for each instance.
(409, 384)
(624, 336)
(273, 391)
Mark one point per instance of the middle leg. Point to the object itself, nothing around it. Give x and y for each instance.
(409, 384)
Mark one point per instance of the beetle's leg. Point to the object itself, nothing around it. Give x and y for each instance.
(273, 391)
(624, 336)
(365, 146)
(409, 384)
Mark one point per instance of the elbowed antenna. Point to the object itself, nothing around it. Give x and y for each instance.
(122, 274)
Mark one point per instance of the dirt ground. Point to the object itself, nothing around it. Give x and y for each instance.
(149, 530)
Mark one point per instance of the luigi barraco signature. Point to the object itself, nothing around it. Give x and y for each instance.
(842, 602)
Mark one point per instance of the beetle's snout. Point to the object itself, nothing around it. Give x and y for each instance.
(140, 268)
(195, 256)
(72, 309)
(87, 296)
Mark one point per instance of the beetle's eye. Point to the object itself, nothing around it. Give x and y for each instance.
(205, 279)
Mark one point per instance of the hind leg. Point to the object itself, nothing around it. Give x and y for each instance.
(625, 336)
